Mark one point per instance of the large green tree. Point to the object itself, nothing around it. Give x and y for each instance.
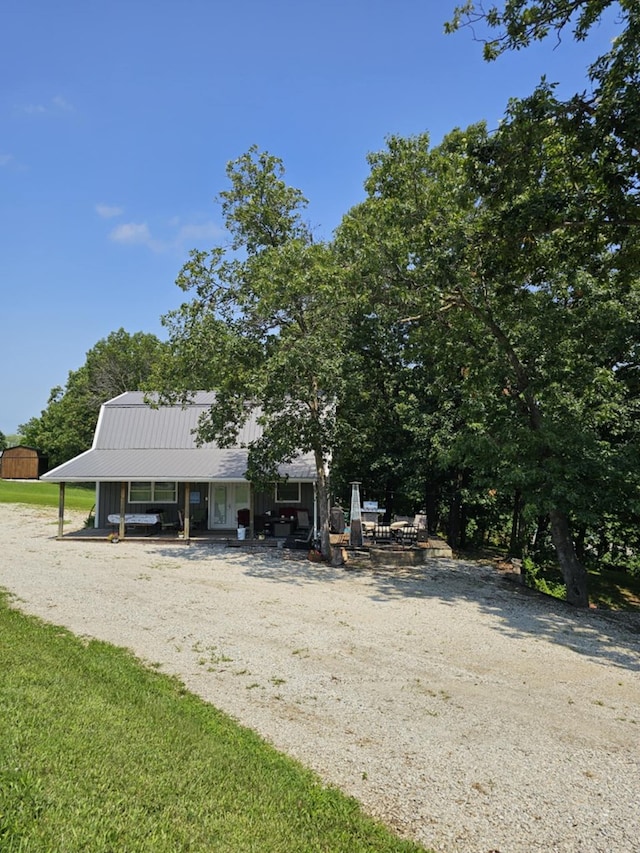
(118, 363)
(602, 126)
(264, 328)
(478, 245)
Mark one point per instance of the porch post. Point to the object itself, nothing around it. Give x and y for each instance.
(187, 509)
(252, 531)
(61, 511)
(123, 507)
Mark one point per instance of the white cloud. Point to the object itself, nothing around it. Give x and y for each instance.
(61, 103)
(194, 233)
(180, 238)
(55, 106)
(34, 109)
(135, 234)
(108, 211)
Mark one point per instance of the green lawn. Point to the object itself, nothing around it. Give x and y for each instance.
(98, 753)
(46, 494)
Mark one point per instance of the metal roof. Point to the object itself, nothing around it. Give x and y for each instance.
(134, 441)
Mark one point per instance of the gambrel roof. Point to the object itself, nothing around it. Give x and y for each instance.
(134, 441)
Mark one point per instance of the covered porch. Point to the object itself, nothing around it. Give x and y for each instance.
(207, 510)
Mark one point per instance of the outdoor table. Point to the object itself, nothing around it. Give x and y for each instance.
(145, 519)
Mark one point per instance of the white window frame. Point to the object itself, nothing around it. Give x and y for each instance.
(152, 492)
(297, 500)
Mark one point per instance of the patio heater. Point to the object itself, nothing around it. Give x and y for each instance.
(355, 525)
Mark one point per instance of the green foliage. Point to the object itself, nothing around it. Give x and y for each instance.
(518, 306)
(3, 441)
(582, 218)
(260, 209)
(522, 22)
(98, 753)
(548, 581)
(609, 589)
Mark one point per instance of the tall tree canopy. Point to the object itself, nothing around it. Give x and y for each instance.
(489, 246)
(118, 363)
(598, 212)
(264, 327)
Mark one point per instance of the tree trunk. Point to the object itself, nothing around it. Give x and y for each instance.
(541, 529)
(515, 540)
(389, 503)
(463, 525)
(574, 573)
(454, 525)
(581, 535)
(457, 524)
(323, 506)
(431, 507)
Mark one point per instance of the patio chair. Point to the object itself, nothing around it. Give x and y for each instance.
(406, 535)
(302, 520)
(302, 536)
(381, 532)
(164, 523)
(300, 539)
(198, 518)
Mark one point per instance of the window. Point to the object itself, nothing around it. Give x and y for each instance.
(153, 493)
(165, 492)
(288, 493)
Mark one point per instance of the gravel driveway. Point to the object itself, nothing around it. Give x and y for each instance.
(465, 712)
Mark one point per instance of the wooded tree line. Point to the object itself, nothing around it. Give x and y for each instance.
(468, 340)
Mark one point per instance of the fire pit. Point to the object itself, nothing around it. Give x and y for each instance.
(414, 555)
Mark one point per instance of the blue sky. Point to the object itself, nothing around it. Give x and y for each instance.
(117, 118)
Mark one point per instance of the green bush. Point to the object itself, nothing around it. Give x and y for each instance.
(543, 578)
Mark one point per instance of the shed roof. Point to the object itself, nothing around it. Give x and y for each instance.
(134, 441)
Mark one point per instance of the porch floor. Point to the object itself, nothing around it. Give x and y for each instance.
(213, 537)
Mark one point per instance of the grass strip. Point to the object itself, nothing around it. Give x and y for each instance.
(38, 493)
(99, 753)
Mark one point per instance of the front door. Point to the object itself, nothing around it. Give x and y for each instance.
(225, 500)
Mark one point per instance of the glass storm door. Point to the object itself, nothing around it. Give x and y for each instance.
(219, 508)
(225, 501)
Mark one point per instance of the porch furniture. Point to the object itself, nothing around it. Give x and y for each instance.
(198, 518)
(381, 532)
(407, 534)
(337, 519)
(283, 528)
(300, 540)
(165, 522)
(280, 522)
(370, 518)
(145, 519)
(302, 520)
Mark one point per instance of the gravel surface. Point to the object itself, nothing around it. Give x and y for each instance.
(467, 713)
